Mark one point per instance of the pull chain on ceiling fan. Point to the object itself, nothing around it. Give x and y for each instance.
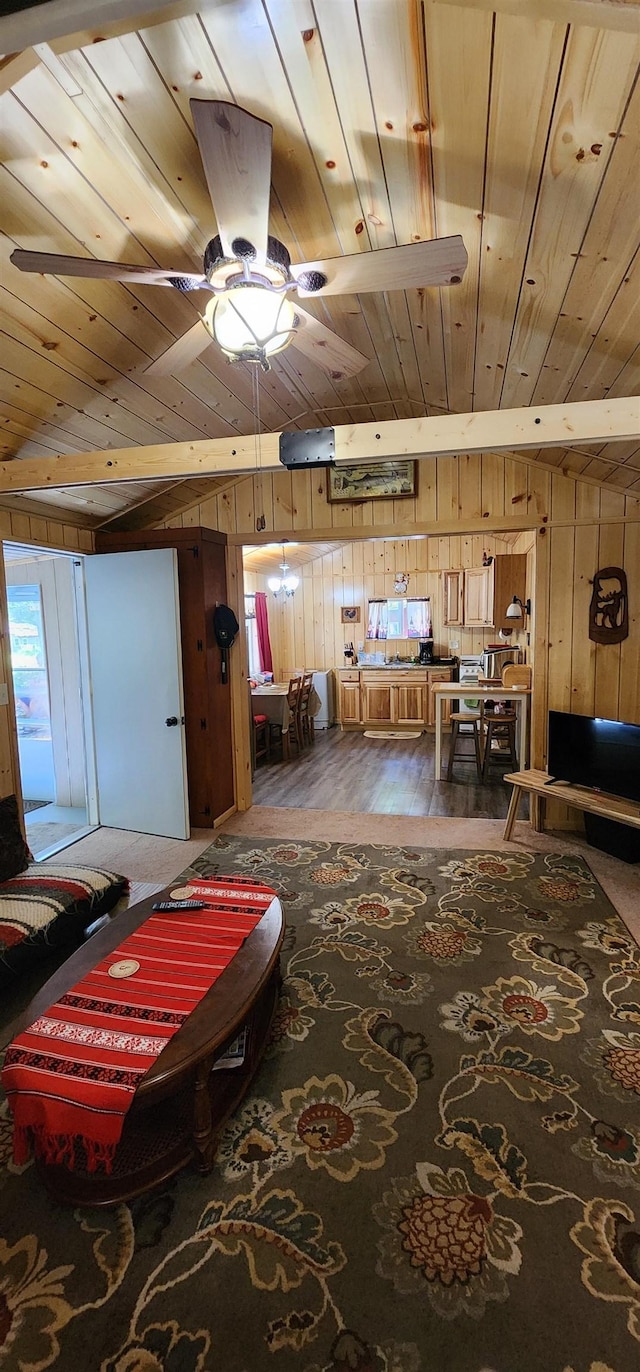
(248, 273)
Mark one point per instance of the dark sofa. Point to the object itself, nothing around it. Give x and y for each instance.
(44, 905)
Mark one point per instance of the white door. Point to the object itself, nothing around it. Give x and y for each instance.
(135, 665)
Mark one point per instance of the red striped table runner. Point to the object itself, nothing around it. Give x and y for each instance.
(72, 1075)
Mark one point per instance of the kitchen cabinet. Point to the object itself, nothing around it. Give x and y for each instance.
(452, 593)
(408, 702)
(477, 597)
(509, 579)
(389, 696)
(377, 698)
(350, 712)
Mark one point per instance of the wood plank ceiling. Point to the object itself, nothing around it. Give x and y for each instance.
(394, 121)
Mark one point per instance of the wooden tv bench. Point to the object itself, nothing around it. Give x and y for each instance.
(580, 797)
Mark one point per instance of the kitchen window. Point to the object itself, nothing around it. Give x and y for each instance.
(399, 619)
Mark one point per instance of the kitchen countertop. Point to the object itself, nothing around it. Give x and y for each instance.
(397, 666)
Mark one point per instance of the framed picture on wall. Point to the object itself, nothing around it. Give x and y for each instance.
(350, 614)
(373, 481)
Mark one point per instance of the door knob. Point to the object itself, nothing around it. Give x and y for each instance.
(173, 719)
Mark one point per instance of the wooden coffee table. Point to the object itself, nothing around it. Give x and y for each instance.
(181, 1104)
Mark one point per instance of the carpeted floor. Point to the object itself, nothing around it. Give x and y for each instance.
(436, 1169)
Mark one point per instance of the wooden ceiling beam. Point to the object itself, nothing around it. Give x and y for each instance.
(623, 15)
(587, 421)
(76, 23)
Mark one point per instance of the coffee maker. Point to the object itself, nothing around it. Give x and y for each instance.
(426, 652)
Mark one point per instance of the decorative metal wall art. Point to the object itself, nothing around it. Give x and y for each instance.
(609, 608)
(372, 481)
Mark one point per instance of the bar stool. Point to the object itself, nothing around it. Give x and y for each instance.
(458, 719)
(499, 727)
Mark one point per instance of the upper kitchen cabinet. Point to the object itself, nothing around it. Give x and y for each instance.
(453, 597)
(478, 597)
(509, 579)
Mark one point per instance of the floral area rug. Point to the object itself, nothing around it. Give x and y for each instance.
(436, 1169)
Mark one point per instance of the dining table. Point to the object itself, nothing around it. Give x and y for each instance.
(517, 696)
(271, 700)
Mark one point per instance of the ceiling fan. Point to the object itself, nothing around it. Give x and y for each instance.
(249, 274)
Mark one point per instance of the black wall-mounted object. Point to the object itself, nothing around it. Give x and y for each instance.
(225, 628)
(310, 448)
(609, 608)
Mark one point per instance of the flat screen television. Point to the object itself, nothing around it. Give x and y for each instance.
(601, 753)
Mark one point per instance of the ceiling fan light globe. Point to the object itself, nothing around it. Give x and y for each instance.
(291, 584)
(249, 320)
(274, 584)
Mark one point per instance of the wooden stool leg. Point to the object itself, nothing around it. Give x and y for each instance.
(487, 750)
(476, 739)
(513, 745)
(452, 749)
(512, 811)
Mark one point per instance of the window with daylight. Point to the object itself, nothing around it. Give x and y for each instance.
(399, 619)
(252, 635)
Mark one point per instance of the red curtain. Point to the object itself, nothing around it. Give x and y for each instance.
(262, 625)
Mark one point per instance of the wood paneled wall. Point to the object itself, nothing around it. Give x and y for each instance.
(307, 628)
(488, 488)
(45, 533)
(568, 528)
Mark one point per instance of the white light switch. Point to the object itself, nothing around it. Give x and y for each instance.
(4, 693)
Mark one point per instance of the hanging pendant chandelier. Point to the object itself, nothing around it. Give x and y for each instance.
(286, 584)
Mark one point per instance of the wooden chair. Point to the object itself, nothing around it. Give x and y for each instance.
(307, 726)
(293, 734)
(261, 737)
(294, 700)
(459, 733)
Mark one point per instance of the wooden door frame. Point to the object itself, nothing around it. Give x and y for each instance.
(239, 675)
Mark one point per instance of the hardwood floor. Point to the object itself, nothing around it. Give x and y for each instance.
(346, 771)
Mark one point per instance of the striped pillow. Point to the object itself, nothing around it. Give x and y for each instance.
(48, 906)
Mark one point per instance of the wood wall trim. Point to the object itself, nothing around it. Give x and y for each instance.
(239, 682)
(9, 764)
(536, 427)
(599, 14)
(435, 529)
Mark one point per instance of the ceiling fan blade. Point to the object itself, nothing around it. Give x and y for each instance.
(56, 264)
(181, 353)
(333, 354)
(437, 262)
(235, 148)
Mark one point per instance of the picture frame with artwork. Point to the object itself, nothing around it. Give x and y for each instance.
(350, 614)
(359, 481)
